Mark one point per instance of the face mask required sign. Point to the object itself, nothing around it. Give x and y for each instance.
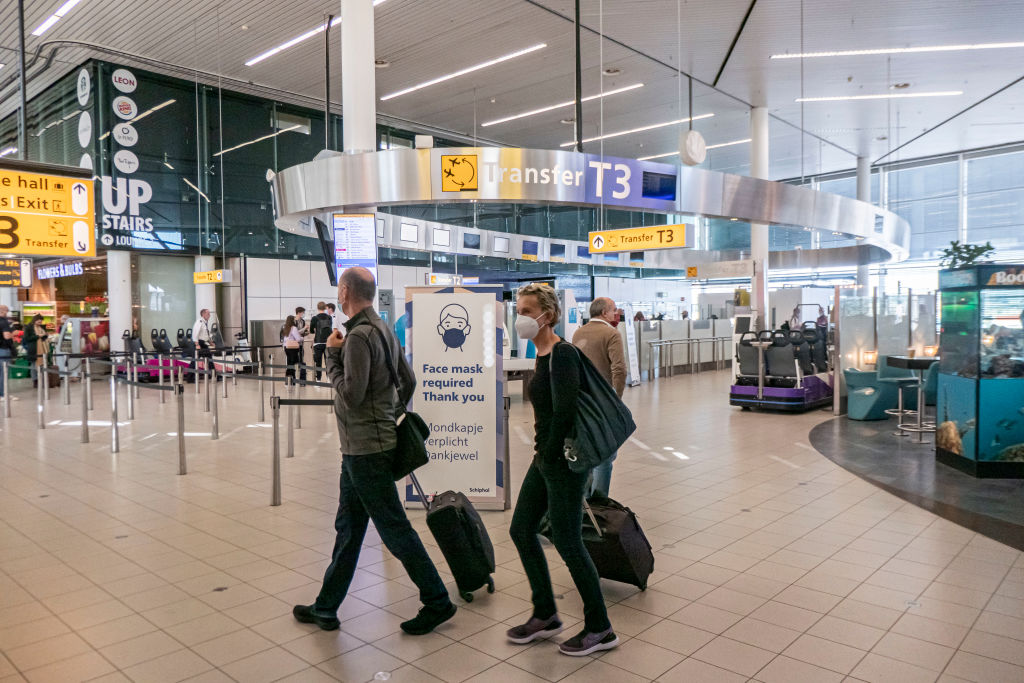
(455, 345)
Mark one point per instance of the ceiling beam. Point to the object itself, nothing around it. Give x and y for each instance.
(732, 45)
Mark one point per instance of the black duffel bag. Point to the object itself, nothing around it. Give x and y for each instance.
(411, 430)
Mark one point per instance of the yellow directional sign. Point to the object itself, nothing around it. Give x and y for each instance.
(211, 277)
(638, 239)
(46, 214)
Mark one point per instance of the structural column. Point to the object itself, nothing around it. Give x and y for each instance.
(358, 85)
(206, 295)
(119, 296)
(759, 231)
(864, 195)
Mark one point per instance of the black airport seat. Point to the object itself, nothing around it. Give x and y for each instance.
(747, 354)
(817, 344)
(779, 356)
(802, 351)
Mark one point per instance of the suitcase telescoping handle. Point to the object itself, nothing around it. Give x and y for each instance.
(593, 520)
(419, 490)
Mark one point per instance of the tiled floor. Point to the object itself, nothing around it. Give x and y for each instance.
(772, 563)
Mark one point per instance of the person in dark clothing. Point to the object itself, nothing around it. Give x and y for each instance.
(321, 327)
(551, 487)
(366, 404)
(291, 340)
(35, 336)
(6, 343)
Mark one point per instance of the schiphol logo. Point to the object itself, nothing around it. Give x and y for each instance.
(124, 80)
(125, 134)
(125, 107)
(1007, 278)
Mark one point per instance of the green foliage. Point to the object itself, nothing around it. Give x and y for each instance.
(961, 255)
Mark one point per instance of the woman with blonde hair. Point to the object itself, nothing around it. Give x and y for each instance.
(551, 487)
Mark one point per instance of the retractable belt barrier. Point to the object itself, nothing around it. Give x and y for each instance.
(275, 408)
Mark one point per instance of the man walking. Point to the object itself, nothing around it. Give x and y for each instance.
(303, 328)
(321, 326)
(366, 404)
(600, 342)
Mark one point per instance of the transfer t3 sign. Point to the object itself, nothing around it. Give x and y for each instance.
(454, 340)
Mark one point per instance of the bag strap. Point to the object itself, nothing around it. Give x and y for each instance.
(593, 519)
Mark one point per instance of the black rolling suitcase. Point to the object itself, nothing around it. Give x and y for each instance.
(462, 537)
(616, 543)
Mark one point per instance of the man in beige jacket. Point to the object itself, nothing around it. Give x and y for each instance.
(601, 343)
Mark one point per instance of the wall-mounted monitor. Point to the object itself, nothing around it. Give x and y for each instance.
(501, 245)
(659, 186)
(380, 228)
(531, 250)
(470, 240)
(556, 252)
(441, 238)
(410, 232)
(583, 252)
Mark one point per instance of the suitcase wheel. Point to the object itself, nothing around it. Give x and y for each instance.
(466, 595)
(490, 585)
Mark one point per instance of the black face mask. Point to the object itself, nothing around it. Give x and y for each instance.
(454, 339)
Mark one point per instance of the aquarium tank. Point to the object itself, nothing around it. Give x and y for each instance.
(980, 410)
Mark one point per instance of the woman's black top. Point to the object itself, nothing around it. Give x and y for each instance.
(554, 392)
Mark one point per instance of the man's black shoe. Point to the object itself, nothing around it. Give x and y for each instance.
(428, 619)
(305, 614)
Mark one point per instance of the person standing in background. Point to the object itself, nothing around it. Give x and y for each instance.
(6, 343)
(321, 327)
(600, 342)
(34, 343)
(291, 340)
(335, 325)
(303, 327)
(201, 331)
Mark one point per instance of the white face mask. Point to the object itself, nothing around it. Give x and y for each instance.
(527, 327)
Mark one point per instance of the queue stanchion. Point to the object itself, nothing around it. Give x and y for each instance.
(160, 376)
(234, 373)
(291, 417)
(298, 409)
(224, 376)
(135, 376)
(206, 384)
(131, 391)
(87, 378)
(43, 377)
(179, 397)
(215, 429)
(261, 414)
(65, 387)
(7, 389)
(85, 413)
(275, 492)
(195, 365)
(115, 442)
(40, 398)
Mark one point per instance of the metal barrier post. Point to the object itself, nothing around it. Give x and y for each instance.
(234, 373)
(85, 413)
(206, 384)
(43, 377)
(115, 443)
(65, 387)
(224, 377)
(689, 351)
(261, 415)
(131, 392)
(275, 493)
(7, 389)
(215, 431)
(42, 380)
(179, 395)
(87, 378)
(195, 361)
(160, 376)
(298, 410)
(291, 418)
(698, 355)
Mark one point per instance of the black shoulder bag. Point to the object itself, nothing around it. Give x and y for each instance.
(411, 430)
(602, 423)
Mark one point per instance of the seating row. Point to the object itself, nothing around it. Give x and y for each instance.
(791, 355)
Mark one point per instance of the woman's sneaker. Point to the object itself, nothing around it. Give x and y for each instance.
(587, 643)
(534, 629)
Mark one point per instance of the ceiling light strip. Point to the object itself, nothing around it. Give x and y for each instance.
(886, 96)
(899, 50)
(560, 105)
(467, 70)
(55, 17)
(672, 154)
(638, 130)
(298, 39)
